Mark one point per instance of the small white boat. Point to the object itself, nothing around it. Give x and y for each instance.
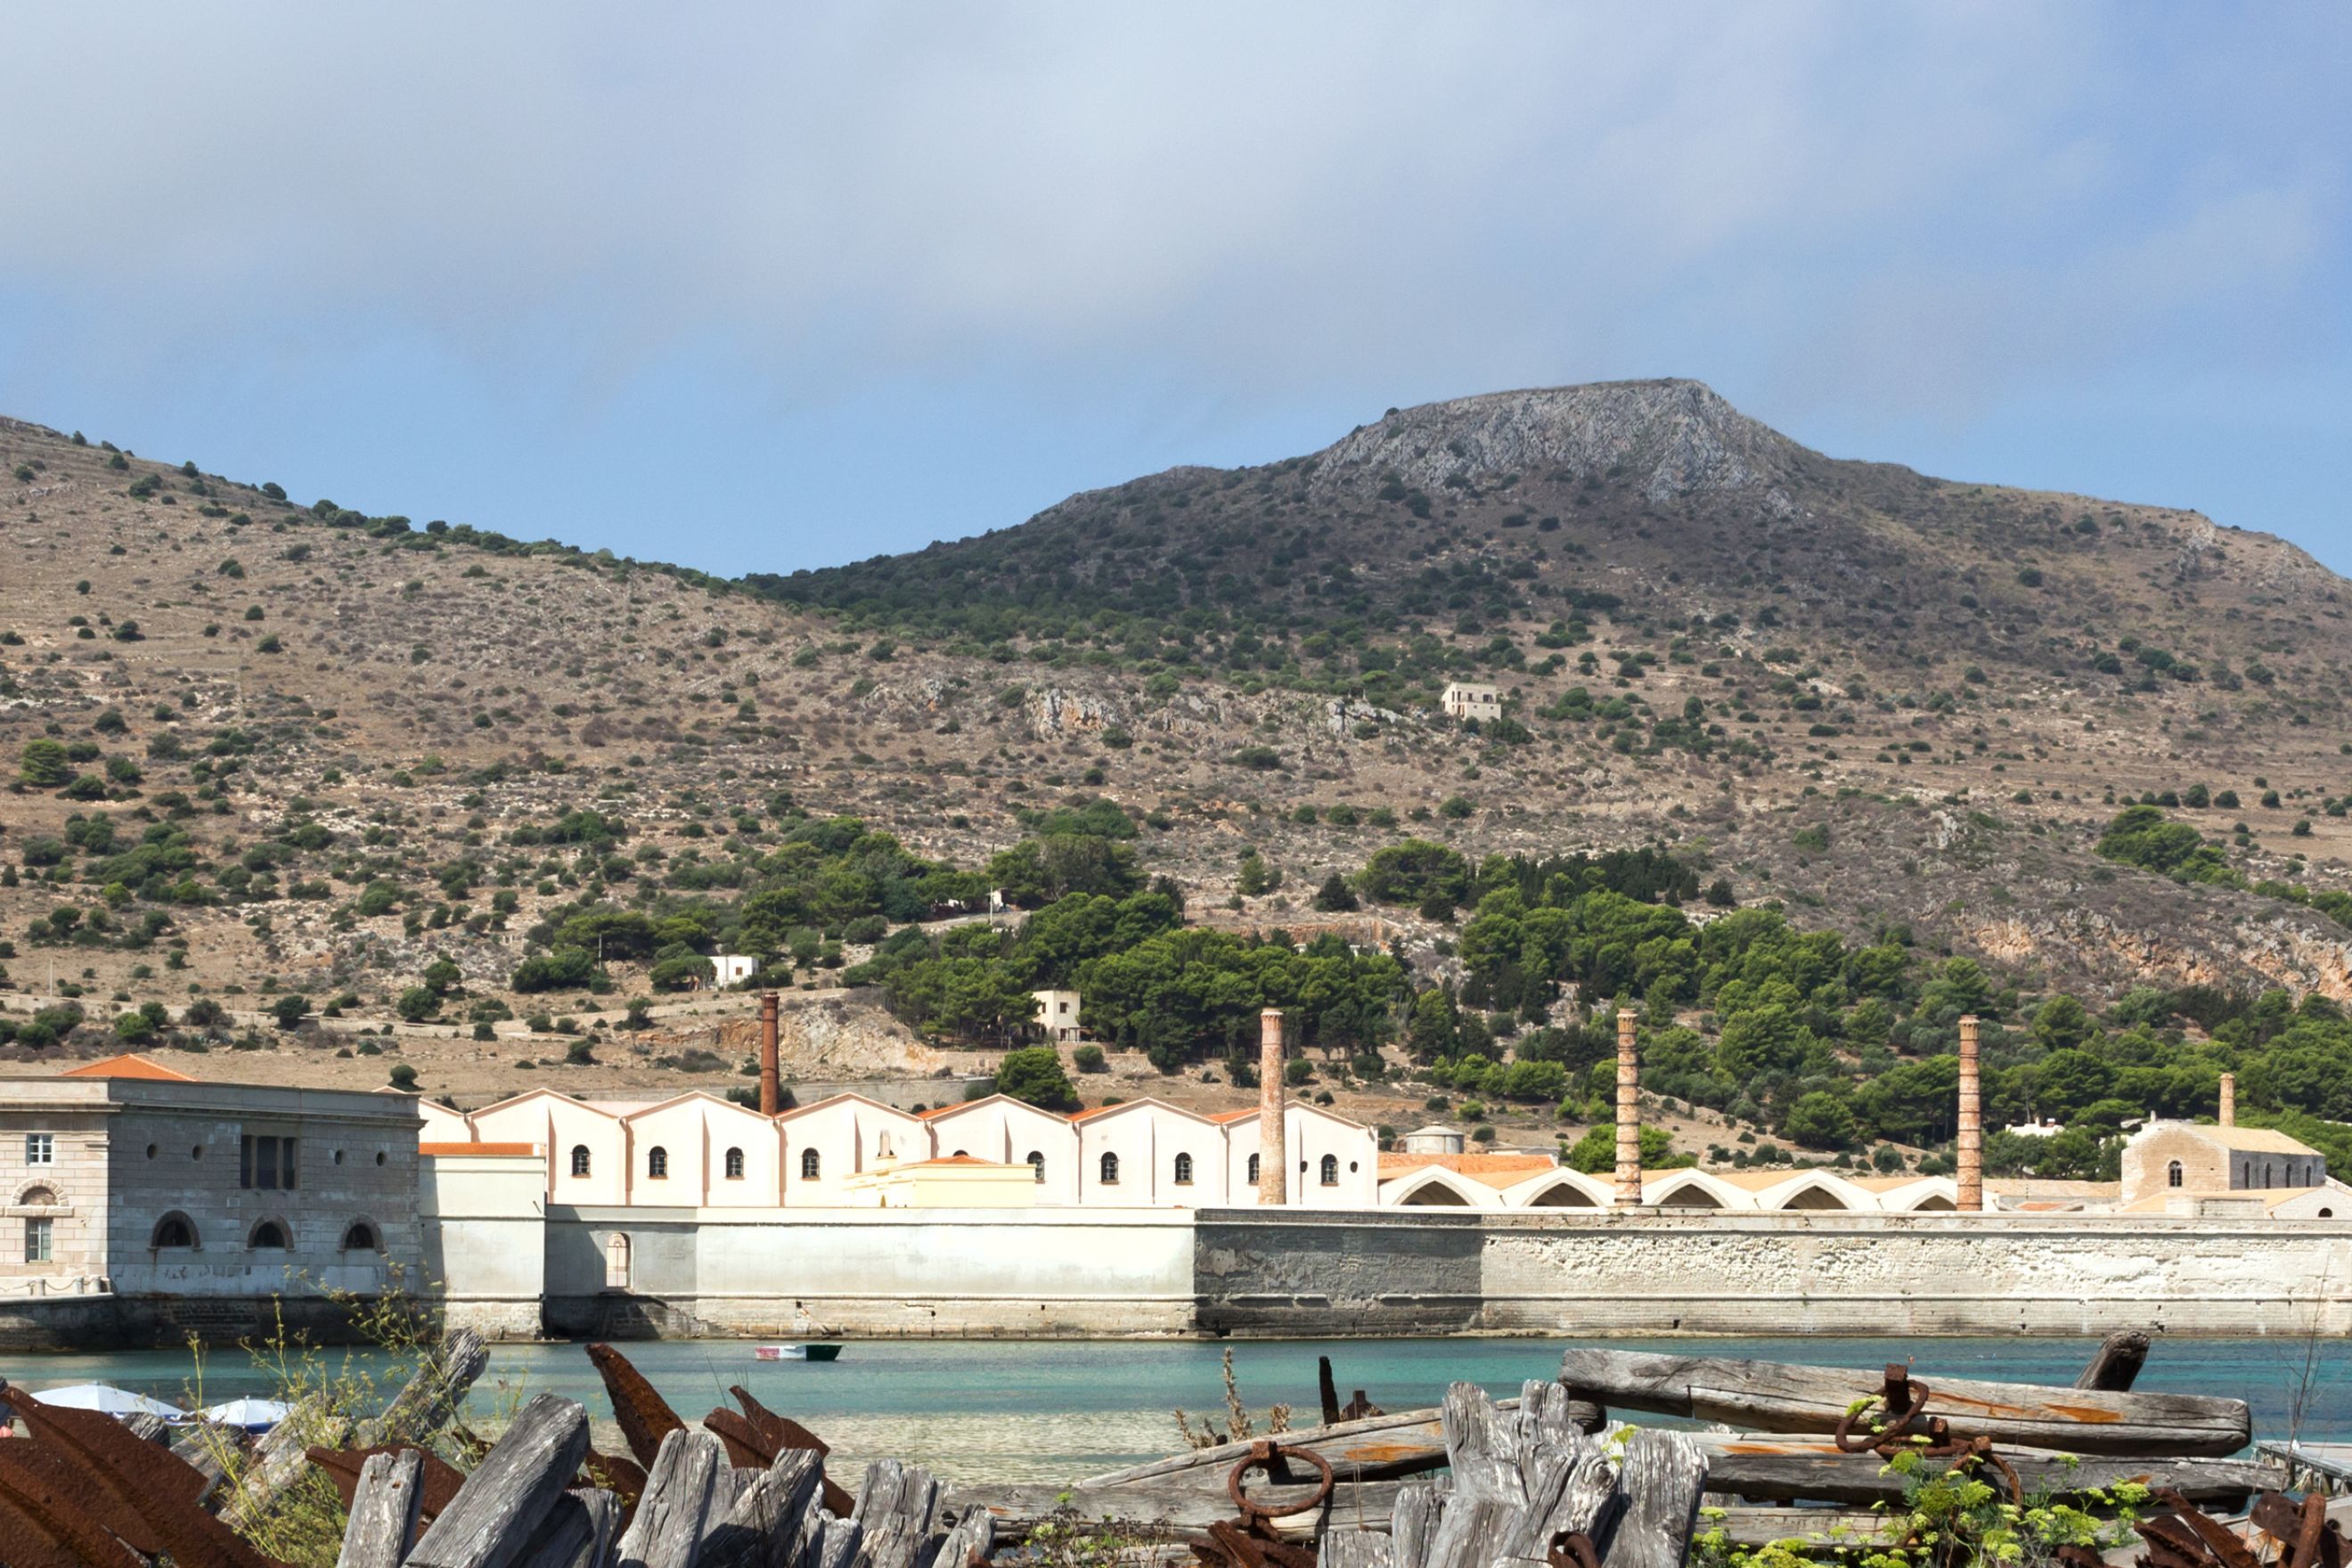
(108, 1399)
(253, 1415)
(796, 1352)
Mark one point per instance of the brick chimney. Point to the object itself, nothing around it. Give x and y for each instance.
(1970, 1141)
(772, 1087)
(1273, 1160)
(1629, 1114)
(2229, 1116)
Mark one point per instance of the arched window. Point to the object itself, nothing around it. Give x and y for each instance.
(581, 1160)
(173, 1230)
(1037, 1164)
(1111, 1170)
(1253, 1171)
(809, 1164)
(360, 1237)
(734, 1164)
(2172, 1174)
(882, 1147)
(1330, 1170)
(1183, 1170)
(658, 1164)
(617, 1263)
(268, 1236)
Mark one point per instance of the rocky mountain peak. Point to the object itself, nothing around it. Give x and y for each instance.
(1669, 439)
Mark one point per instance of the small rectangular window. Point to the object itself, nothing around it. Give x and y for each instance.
(40, 1149)
(265, 1162)
(39, 1234)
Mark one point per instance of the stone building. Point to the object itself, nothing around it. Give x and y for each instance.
(123, 1176)
(1471, 699)
(2184, 1159)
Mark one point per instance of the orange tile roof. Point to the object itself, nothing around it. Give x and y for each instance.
(1490, 1170)
(504, 1150)
(1225, 1118)
(127, 1065)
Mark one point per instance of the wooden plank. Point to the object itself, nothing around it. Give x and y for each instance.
(498, 1509)
(1413, 1522)
(689, 1490)
(966, 1545)
(1472, 1532)
(1779, 1397)
(2115, 1365)
(837, 1544)
(896, 1508)
(1481, 1446)
(1661, 1480)
(1776, 1468)
(282, 1455)
(1372, 1449)
(578, 1532)
(1574, 1491)
(1818, 1527)
(767, 1527)
(429, 1400)
(383, 1512)
(1354, 1548)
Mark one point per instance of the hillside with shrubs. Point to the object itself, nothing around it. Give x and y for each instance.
(1800, 758)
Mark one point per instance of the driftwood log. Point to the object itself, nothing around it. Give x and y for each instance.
(2115, 1365)
(1777, 1397)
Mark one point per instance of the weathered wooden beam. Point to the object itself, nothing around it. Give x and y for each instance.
(1409, 1442)
(430, 1399)
(1777, 1467)
(690, 1489)
(2115, 1365)
(499, 1509)
(768, 1526)
(280, 1455)
(578, 1532)
(1354, 1548)
(1660, 1481)
(896, 1510)
(1413, 1522)
(383, 1511)
(1774, 1396)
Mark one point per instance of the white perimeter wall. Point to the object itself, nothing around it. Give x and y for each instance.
(886, 1271)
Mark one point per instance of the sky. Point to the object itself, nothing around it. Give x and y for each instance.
(759, 288)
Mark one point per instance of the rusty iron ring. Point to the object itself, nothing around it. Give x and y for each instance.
(1263, 1455)
(1848, 1442)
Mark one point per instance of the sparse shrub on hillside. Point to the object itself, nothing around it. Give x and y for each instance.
(2143, 835)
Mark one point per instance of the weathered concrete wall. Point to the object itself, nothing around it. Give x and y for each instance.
(484, 1225)
(1770, 1274)
(870, 1272)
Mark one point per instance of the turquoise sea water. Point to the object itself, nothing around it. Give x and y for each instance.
(1057, 1410)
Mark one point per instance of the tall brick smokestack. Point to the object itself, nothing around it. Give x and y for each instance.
(2229, 1116)
(1629, 1114)
(1273, 1160)
(772, 1085)
(1970, 1141)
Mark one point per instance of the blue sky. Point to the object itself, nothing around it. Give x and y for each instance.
(758, 287)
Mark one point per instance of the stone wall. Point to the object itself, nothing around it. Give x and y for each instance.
(1770, 1274)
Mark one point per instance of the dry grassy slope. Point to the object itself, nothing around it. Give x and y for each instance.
(391, 656)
